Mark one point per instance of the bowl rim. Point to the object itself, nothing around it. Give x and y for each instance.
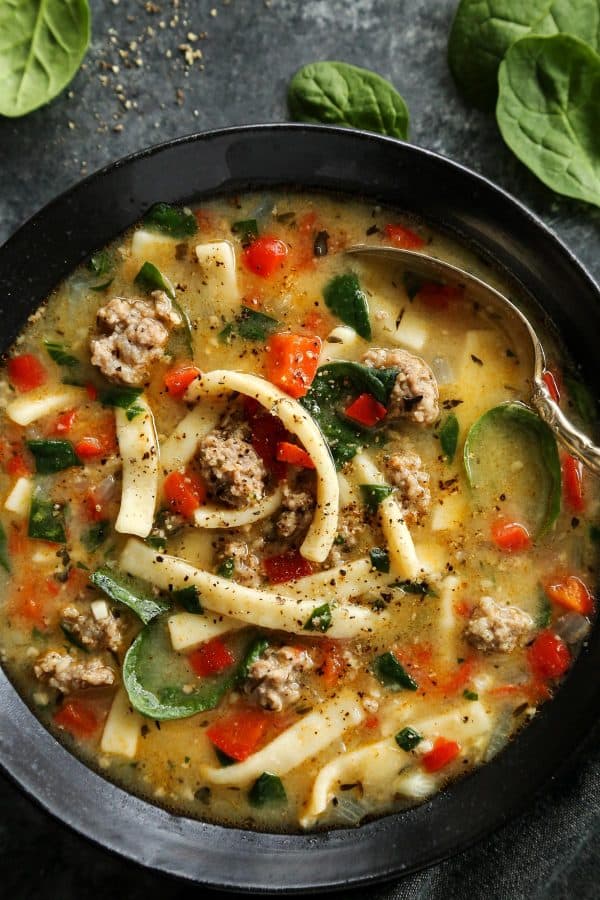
(201, 851)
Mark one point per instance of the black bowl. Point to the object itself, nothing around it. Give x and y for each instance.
(501, 230)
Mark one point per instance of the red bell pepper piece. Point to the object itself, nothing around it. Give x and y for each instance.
(572, 472)
(287, 567)
(184, 493)
(65, 421)
(77, 717)
(211, 658)
(178, 379)
(439, 296)
(239, 734)
(443, 752)
(26, 372)
(294, 455)
(571, 593)
(549, 656)
(366, 410)
(292, 361)
(404, 237)
(551, 384)
(265, 255)
(511, 537)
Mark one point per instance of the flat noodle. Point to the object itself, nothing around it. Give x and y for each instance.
(321, 534)
(122, 728)
(249, 605)
(212, 516)
(342, 582)
(303, 740)
(181, 445)
(138, 446)
(187, 630)
(379, 766)
(44, 402)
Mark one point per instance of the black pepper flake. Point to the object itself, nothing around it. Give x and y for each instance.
(476, 359)
(372, 230)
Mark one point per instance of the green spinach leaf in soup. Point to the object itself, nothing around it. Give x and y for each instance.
(171, 220)
(347, 300)
(548, 104)
(43, 44)
(337, 93)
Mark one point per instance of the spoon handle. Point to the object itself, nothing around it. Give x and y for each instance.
(575, 441)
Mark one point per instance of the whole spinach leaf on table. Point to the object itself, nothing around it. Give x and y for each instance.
(337, 93)
(42, 43)
(484, 30)
(548, 110)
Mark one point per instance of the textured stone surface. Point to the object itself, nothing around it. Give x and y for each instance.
(250, 51)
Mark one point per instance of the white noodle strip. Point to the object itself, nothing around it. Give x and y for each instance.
(342, 582)
(403, 556)
(187, 630)
(321, 534)
(211, 516)
(44, 402)
(122, 728)
(138, 447)
(252, 606)
(19, 499)
(181, 445)
(303, 740)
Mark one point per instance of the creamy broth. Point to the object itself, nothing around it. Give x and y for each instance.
(182, 519)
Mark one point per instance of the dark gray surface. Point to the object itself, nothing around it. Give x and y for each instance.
(250, 51)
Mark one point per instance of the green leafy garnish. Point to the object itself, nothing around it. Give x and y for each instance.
(100, 263)
(374, 494)
(227, 567)
(171, 220)
(132, 592)
(60, 354)
(407, 739)
(53, 455)
(150, 278)
(186, 332)
(95, 536)
(249, 325)
(449, 436)
(121, 397)
(46, 520)
(246, 230)
(43, 44)
(346, 299)
(380, 559)
(392, 674)
(337, 93)
(415, 587)
(189, 598)
(4, 557)
(267, 789)
(254, 652)
(319, 619)
(470, 695)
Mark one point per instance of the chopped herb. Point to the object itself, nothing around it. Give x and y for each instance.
(227, 568)
(470, 695)
(380, 559)
(134, 593)
(321, 244)
(392, 674)
(246, 230)
(267, 789)
(121, 397)
(150, 278)
(415, 587)
(4, 557)
(171, 220)
(346, 299)
(132, 411)
(46, 520)
(407, 739)
(189, 598)
(156, 541)
(374, 494)
(449, 436)
(60, 354)
(53, 455)
(319, 619)
(95, 535)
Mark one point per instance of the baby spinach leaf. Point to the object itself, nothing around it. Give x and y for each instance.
(95, 536)
(249, 325)
(135, 594)
(267, 789)
(380, 559)
(346, 299)
(449, 436)
(53, 455)
(4, 557)
(392, 673)
(254, 653)
(46, 519)
(150, 278)
(407, 739)
(41, 48)
(189, 598)
(319, 619)
(60, 354)
(171, 220)
(338, 93)
(547, 112)
(374, 494)
(246, 230)
(121, 397)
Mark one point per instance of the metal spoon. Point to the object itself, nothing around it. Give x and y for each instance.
(574, 440)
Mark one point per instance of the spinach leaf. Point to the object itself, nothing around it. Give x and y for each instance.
(227, 567)
(267, 789)
(53, 455)
(185, 334)
(42, 47)
(415, 587)
(373, 494)
(100, 263)
(392, 674)
(121, 397)
(470, 695)
(171, 220)
(134, 593)
(249, 325)
(46, 519)
(4, 557)
(380, 559)
(189, 598)
(483, 32)
(449, 436)
(319, 619)
(346, 299)
(95, 536)
(407, 739)
(547, 112)
(246, 230)
(150, 278)
(338, 93)
(60, 354)
(254, 652)
(513, 431)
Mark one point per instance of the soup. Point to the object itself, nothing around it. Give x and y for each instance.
(282, 544)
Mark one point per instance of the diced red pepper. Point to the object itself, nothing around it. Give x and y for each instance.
(78, 718)
(372, 722)
(178, 379)
(438, 296)
(548, 656)
(334, 665)
(551, 384)
(366, 410)
(572, 472)
(65, 421)
(292, 361)
(294, 455)
(26, 372)
(443, 753)
(52, 586)
(287, 567)
(455, 680)
(211, 658)
(184, 493)
(571, 593)
(90, 448)
(404, 237)
(265, 255)
(511, 537)
(17, 466)
(239, 735)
